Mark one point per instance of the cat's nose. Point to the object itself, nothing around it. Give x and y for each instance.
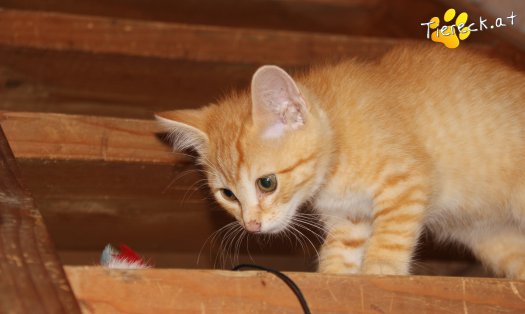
(253, 226)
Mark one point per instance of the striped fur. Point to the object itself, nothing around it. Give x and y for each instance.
(427, 137)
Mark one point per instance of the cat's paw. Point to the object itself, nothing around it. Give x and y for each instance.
(383, 268)
(451, 40)
(338, 270)
(336, 264)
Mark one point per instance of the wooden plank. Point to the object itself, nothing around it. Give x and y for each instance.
(122, 86)
(210, 259)
(111, 85)
(33, 280)
(58, 136)
(296, 262)
(334, 16)
(45, 30)
(176, 290)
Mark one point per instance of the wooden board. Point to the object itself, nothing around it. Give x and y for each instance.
(182, 291)
(32, 278)
(43, 30)
(214, 260)
(289, 261)
(58, 136)
(335, 16)
(111, 85)
(98, 67)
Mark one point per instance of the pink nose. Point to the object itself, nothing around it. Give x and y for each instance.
(253, 226)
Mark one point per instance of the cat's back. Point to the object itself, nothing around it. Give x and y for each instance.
(468, 113)
(464, 111)
(448, 99)
(458, 97)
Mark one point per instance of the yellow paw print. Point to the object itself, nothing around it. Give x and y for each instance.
(449, 36)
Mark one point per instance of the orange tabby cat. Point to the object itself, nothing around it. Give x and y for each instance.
(426, 136)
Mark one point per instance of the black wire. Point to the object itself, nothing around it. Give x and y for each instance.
(284, 278)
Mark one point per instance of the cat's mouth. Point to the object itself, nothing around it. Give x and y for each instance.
(263, 228)
(267, 226)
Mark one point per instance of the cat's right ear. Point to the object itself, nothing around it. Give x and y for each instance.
(277, 103)
(186, 128)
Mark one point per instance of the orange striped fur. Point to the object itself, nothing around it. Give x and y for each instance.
(426, 137)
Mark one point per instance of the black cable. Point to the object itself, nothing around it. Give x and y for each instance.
(284, 278)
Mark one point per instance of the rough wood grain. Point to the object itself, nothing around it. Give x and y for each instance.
(45, 30)
(176, 291)
(335, 16)
(111, 85)
(32, 278)
(294, 262)
(58, 136)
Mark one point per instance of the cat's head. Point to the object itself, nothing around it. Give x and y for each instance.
(265, 152)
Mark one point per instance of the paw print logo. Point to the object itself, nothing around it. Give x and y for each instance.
(450, 36)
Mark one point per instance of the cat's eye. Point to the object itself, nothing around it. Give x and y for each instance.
(228, 194)
(267, 184)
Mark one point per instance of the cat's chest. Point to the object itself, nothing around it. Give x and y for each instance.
(348, 203)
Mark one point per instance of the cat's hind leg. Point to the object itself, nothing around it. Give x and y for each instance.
(501, 248)
(343, 249)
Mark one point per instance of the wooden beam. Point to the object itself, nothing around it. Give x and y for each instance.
(284, 261)
(32, 278)
(111, 85)
(175, 290)
(59, 136)
(43, 30)
(335, 16)
(216, 259)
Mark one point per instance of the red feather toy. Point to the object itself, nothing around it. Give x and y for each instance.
(123, 258)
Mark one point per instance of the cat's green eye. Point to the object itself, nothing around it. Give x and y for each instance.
(228, 194)
(267, 184)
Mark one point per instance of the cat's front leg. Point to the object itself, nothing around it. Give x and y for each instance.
(397, 221)
(342, 251)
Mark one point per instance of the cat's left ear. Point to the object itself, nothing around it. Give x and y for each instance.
(187, 127)
(277, 103)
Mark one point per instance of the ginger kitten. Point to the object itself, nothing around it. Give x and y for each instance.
(425, 137)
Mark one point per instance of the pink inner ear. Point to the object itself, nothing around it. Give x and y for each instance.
(277, 102)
